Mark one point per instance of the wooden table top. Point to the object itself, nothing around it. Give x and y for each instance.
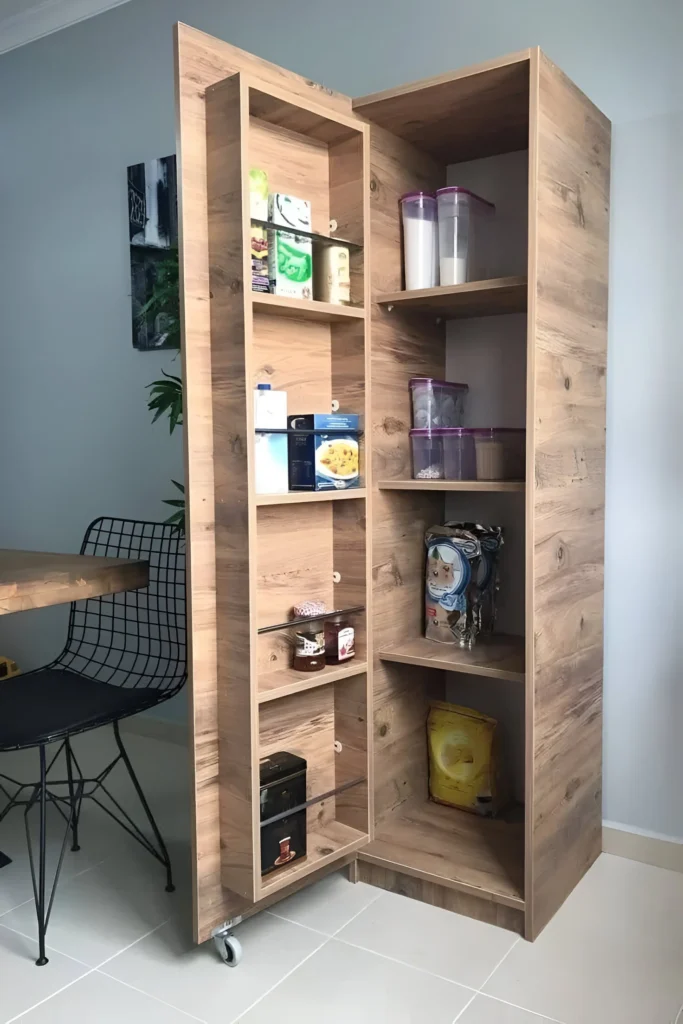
(36, 579)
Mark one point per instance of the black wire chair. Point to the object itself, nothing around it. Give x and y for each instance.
(124, 653)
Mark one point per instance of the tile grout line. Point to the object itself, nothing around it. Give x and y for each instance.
(328, 938)
(89, 970)
(328, 935)
(236, 1020)
(486, 980)
(410, 967)
(142, 992)
(525, 1009)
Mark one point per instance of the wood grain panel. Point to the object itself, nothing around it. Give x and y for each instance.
(453, 848)
(400, 350)
(36, 579)
(201, 61)
(498, 657)
(440, 896)
(460, 301)
(569, 193)
(227, 118)
(304, 724)
(294, 165)
(462, 115)
(294, 356)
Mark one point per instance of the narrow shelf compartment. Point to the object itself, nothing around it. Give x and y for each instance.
(327, 843)
(299, 497)
(480, 856)
(477, 486)
(304, 309)
(459, 301)
(498, 657)
(285, 682)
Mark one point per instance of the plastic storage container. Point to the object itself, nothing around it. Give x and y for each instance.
(464, 220)
(500, 453)
(437, 403)
(420, 240)
(459, 454)
(427, 447)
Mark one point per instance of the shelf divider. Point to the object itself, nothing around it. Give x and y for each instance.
(285, 682)
(498, 657)
(304, 309)
(300, 497)
(460, 301)
(501, 486)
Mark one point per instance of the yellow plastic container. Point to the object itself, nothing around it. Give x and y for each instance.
(463, 770)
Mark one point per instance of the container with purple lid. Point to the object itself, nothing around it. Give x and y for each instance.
(500, 453)
(464, 245)
(443, 453)
(420, 240)
(437, 403)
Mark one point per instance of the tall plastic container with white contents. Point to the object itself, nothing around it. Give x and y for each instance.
(464, 229)
(420, 240)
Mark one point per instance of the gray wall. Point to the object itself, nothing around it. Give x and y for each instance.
(79, 106)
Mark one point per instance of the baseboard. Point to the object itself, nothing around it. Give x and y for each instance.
(156, 729)
(646, 847)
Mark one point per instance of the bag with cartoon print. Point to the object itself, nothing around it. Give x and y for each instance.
(461, 581)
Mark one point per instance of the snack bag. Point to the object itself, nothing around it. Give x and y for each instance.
(463, 768)
(460, 581)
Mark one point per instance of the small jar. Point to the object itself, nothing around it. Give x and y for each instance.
(309, 648)
(340, 640)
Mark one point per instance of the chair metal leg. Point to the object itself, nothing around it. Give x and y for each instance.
(40, 901)
(170, 887)
(75, 806)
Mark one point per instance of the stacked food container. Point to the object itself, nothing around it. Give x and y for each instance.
(445, 237)
(443, 449)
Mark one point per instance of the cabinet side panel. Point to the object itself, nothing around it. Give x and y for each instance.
(401, 349)
(569, 220)
(227, 117)
(200, 61)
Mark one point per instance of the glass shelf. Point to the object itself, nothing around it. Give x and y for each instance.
(322, 239)
(308, 430)
(312, 618)
(314, 800)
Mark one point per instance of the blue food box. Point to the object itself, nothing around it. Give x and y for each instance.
(323, 452)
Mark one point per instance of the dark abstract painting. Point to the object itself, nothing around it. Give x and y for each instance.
(153, 230)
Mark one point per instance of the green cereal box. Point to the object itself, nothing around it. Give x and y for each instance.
(290, 256)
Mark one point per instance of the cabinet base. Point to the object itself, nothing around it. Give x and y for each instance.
(441, 896)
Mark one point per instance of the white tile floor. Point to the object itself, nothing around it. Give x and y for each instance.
(120, 947)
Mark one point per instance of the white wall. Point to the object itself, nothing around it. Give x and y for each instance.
(79, 106)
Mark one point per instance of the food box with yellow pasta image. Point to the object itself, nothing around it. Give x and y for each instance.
(323, 452)
(463, 759)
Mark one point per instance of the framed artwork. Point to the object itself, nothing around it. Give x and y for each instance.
(153, 232)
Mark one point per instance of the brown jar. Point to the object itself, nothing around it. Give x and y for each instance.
(340, 640)
(309, 649)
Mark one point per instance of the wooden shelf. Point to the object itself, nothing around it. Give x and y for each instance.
(298, 497)
(480, 856)
(285, 682)
(477, 486)
(498, 657)
(304, 309)
(327, 843)
(459, 301)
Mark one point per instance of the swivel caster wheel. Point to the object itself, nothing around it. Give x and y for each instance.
(229, 948)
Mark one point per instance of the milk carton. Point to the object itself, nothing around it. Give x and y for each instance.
(290, 256)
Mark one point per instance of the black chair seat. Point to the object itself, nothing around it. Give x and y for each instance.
(51, 703)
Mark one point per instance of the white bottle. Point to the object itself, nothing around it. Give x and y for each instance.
(271, 473)
(270, 408)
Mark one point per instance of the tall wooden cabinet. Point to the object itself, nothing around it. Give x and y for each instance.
(533, 340)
